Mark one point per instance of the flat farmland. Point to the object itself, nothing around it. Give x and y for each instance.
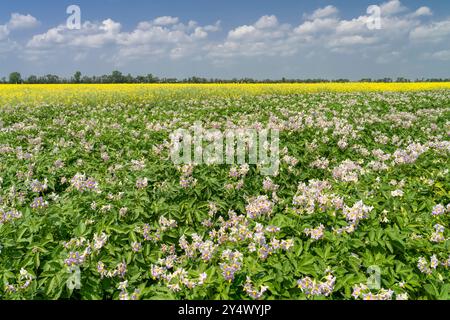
(356, 206)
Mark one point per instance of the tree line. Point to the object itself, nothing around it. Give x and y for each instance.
(119, 77)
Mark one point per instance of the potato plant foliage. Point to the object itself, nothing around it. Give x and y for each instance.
(92, 207)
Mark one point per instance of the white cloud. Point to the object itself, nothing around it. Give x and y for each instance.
(213, 28)
(4, 32)
(17, 21)
(423, 11)
(266, 37)
(242, 32)
(323, 13)
(160, 38)
(324, 30)
(8, 46)
(91, 35)
(433, 32)
(266, 22)
(317, 25)
(392, 7)
(443, 55)
(388, 57)
(356, 25)
(165, 21)
(20, 21)
(351, 41)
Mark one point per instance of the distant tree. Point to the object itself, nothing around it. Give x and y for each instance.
(402, 79)
(151, 79)
(86, 79)
(117, 77)
(51, 78)
(140, 79)
(15, 78)
(32, 79)
(129, 78)
(77, 77)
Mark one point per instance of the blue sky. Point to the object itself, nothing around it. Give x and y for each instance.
(254, 38)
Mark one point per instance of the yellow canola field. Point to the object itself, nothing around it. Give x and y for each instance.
(65, 93)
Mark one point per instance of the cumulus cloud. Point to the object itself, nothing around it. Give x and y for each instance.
(392, 7)
(91, 35)
(165, 21)
(266, 22)
(323, 13)
(317, 26)
(4, 32)
(443, 55)
(323, 29)
(433, 32)
(267, 27)
(163, 36)
(264, 37)
(16, 22)
(423, 11)
(20, 21)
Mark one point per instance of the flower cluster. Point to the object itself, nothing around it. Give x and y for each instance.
(347, 171)
(206, 248)
(178, 278)
(321, 163)
(186, 178)
(232, 263)
(141, 183)
(238, 229)
(410, 154)
(426, 267)
(24, 281)
(240, 172)
(290, 161)
(81, 183)
(77, 255)
(39, 203)
(124, 295)
(357, 212)
(353, 216)
(316, 233)
(314, 196)
(363, 292)
(119, 271)
(258, 207)
(9, 215)
(438, 234)
(312, 287)
(252, 291)
(397, 193)
(75, 258)
(136, 246)
(37, 186)
(269, 185)
(166, 224)
(439, 209)
(100, 241)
